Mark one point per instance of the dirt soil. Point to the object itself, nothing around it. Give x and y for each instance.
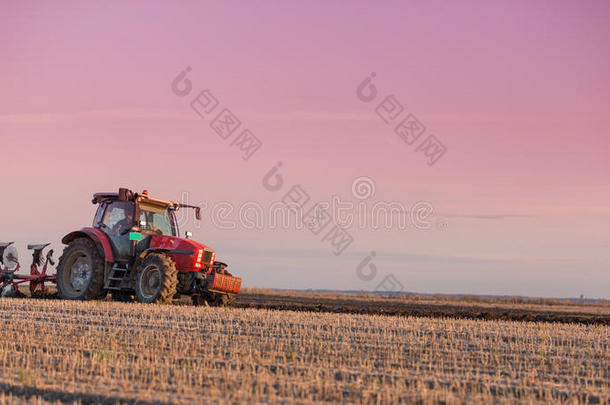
(416, 306)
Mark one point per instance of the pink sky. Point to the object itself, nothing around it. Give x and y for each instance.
(518, 92)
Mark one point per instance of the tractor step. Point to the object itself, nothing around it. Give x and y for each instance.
(116, 277)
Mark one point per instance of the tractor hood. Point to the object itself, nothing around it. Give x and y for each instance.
(189, 255)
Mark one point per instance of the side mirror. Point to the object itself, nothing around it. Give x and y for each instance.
(198, 213)
(188, 234)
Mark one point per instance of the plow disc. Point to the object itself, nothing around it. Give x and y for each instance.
(37, 283)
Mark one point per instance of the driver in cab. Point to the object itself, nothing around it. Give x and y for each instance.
(124, 225)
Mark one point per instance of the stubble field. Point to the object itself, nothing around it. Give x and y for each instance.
(116, 352)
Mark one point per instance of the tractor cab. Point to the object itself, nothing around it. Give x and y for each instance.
(130, 220)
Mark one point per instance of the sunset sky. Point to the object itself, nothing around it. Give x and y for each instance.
(517, 92)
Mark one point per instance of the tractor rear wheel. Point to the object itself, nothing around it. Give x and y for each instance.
(80, 272)
(156, 279)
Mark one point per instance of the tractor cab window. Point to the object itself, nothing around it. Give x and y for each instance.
(118, 217)
(158, 220)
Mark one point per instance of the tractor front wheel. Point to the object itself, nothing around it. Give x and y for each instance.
(156, 279)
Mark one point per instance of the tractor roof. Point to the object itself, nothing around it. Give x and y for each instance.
(99, 197)
(128, 195)
(154, 201)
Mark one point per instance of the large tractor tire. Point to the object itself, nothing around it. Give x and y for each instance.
(80, 272)
(156, 279)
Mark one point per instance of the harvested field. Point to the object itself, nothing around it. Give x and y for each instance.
(87, 352)
(505, 309)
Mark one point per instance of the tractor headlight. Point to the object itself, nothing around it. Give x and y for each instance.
(199, 257)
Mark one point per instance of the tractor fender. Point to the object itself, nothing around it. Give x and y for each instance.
(148, 251)
(100, 239)
(170, 252)
(167, 251)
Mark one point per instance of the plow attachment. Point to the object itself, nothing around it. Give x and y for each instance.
(10, 280)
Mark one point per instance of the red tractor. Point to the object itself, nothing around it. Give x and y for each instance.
(134, 251)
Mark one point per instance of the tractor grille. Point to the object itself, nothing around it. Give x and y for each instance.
(207, 256)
